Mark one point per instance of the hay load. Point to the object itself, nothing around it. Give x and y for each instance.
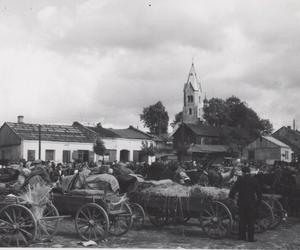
(177, 190)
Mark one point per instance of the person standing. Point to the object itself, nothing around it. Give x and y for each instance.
(249, 196)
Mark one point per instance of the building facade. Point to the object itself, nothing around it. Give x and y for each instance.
(68, 143)
(291, 137)
(59, 143)
(121, 144)
(268, 149)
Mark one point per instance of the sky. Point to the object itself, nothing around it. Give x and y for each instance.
(104, 60)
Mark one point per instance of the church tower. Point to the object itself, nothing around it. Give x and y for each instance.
(193, 101)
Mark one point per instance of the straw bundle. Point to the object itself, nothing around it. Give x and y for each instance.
(37, 196)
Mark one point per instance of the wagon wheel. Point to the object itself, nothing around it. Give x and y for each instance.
(138, 215)
(120, 220)
(216, 219)
(91, 222)
(18, 226)
(48, 224)
(278, 212)
(157, 220)
(265, 217)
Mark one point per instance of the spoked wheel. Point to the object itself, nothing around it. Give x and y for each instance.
(138, 215)
(48, 224)
(264, 218)
(91, 222)
(216, 220)
(120, 220)
(157, 220)
(278, 212)
(18, 226)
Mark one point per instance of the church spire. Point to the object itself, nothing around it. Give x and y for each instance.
(193, 101)
(193, 79)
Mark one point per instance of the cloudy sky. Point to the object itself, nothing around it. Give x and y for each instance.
(104, 60)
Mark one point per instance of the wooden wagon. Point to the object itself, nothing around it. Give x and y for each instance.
(20, 225)
(214, 216)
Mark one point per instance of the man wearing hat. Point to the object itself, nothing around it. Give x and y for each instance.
(249, 195)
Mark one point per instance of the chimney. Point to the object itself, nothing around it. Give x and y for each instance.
(294, 124)
(20, 119)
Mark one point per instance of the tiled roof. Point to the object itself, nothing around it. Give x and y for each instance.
(103, 132)
(200, 129)
(131, 133)
(62, 133)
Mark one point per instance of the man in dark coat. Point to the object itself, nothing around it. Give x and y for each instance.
(249, 196)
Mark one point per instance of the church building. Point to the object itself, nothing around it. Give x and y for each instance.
(192, 138)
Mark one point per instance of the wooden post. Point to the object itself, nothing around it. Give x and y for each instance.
(40, 138)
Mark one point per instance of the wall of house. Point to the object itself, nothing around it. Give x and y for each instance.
(8, 137)
(118, 144)
(10, 153)
(267, 151)
(286, 154)
(59, 147)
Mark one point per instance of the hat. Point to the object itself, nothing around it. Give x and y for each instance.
(37, 162)
(246, 170)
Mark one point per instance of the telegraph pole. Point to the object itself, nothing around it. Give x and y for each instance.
(40, 139)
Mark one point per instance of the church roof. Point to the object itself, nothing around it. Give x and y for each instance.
(193, 79)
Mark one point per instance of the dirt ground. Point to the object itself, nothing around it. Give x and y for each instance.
(286, 236)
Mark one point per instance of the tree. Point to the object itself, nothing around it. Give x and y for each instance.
(216, 112)
(240, 123)
(267, 127)
(178, 119)
(156, 118)
(99, 148)
(147, 149)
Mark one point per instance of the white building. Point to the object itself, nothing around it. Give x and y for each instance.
(121, 144)
(65, 143)
(61, 143)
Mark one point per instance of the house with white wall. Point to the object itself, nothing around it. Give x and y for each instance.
(68, 143)
(121, 144)
(60, 143)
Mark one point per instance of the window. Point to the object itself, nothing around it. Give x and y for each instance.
(83, 155)
(190, 111)
(66, 156)
(190, 98)
(30, 155)
(50, 155)
(286, 155)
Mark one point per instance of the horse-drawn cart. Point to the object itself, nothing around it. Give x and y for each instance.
(217, 215)
(214, 216)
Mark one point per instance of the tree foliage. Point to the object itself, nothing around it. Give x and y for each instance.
(147, 148)
(99, 147)
(233, 113)
(156, 118)
(178, 119)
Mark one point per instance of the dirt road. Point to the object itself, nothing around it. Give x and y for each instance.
(286, 236)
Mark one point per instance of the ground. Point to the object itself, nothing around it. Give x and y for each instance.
(286, 236)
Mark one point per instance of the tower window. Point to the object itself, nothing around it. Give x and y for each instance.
(190, 111)
(190, 98)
